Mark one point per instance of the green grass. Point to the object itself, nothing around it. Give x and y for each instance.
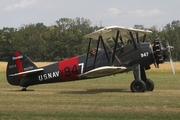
(103, 98)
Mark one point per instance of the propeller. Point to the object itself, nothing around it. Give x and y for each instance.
(170, 56)
(160, 53)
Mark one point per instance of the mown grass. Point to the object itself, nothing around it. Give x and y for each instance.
(102, 98)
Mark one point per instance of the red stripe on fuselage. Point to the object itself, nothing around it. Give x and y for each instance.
(18, 63)
(69, 69)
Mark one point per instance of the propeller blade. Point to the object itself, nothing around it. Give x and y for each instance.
(171, 62)
(170, 57)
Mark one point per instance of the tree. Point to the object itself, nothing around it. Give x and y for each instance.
(31, 39)
(67, 38)
(6, 42)
(172, 34)
(139, 27)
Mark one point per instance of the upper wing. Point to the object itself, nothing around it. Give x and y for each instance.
(102, 71)
(109, 32)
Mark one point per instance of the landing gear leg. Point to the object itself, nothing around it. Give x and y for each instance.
(138, 85)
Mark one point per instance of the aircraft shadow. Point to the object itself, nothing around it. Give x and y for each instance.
(28, 90)
(95, 91)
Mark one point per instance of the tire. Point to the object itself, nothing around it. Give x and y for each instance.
(138, 86)
(149, 85)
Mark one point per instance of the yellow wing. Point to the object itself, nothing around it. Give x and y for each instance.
(109, 32)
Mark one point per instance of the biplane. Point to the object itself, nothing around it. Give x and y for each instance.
(117, 50)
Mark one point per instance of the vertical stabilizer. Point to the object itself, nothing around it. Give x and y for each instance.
(18, 63)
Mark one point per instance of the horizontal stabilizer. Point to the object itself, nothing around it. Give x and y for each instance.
(27, 72)
(102, 71)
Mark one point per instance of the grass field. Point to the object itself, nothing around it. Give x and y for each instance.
(106, 98)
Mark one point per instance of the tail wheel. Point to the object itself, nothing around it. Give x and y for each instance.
(138, 86)
(24, 89)
(149, 85)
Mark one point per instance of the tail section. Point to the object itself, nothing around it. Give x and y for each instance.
(18, 63)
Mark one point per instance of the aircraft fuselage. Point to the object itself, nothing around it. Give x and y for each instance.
(70, 69)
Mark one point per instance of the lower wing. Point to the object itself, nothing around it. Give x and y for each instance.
(103, 71)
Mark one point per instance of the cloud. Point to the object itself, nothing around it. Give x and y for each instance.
(113, 11)
(154, 12)
(21, 5)
(142, 13)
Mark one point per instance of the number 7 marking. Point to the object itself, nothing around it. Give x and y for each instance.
(82, 67)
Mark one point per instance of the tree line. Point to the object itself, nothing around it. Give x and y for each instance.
(65, 39)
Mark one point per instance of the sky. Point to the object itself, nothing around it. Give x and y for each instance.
(126, 13)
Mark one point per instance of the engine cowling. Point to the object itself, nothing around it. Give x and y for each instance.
(159, 52)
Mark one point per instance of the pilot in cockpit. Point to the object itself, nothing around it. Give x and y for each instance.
(92, 53)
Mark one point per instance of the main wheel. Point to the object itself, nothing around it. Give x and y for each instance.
(149, 85)
(138, 86)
